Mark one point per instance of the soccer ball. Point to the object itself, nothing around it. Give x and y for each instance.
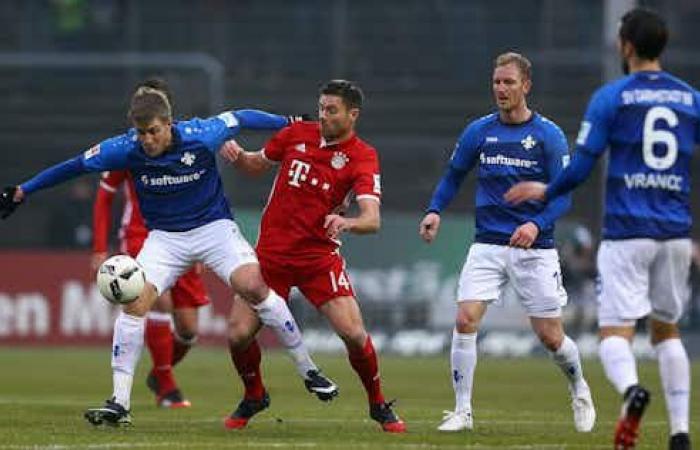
(120, 279)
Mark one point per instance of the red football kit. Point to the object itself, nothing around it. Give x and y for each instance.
(189, 290)
(313, 180)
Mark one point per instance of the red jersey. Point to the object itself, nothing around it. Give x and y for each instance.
(132, 224)
(313, 179)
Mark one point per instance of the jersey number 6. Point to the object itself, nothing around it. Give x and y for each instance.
(654, 136)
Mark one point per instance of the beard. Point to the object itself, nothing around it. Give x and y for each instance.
(625, 67)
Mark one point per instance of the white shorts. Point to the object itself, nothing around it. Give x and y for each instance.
(219, 245)
(640, 277)
(534, 275)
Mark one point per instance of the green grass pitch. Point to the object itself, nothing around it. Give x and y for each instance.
(518, 404)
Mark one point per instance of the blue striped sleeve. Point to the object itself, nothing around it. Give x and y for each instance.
(54, 175)
(577, 172)
(557, 158)
(463, 160)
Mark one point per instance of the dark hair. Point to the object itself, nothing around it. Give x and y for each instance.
(646, 30)
(522, 63)
(347, 90)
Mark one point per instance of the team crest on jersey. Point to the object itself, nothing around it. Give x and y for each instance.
(188, 158)
(339, 160)
(529, 142)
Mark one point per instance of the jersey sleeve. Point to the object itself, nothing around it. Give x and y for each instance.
(466, 150)
(102, 208)
(697, 106)
(557, 158)
(276, 146)
(107, 155)
(463, 159)
(110, 154)
(367, 183)
(227, 125)
(597, 122)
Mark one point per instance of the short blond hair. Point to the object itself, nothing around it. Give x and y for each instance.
(522, 63)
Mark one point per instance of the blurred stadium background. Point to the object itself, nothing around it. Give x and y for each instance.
(67, 68)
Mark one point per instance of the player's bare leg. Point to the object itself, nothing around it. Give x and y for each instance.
(272, 310)
(243, 325)
(674, 368)
(127, 343)
(186, 332)
(565, 354)
(463, 359)
(344, 315)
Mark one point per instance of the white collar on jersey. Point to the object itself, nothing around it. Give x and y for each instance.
(325, 143)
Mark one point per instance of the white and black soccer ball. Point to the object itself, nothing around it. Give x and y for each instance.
(120, 279)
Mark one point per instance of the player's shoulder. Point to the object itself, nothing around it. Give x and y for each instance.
(195, 129)
(548, 126)
(477, 127)
(480, 123)
(127, 141)
(364, 148)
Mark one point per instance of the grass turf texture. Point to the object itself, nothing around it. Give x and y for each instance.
(519, 404)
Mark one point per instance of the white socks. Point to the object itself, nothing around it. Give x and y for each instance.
(568, 359)
(618, 361)
(127, 342)
(463, 363)
(274, 312)
(674, 369)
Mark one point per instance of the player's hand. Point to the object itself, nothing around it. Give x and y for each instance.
(298, 118)
(525, 235)
(231, 151)
(96, 260)
(10, 199)
(429, 227)
(524, 191)
(335, 224)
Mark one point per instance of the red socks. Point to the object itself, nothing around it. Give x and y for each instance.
(365, 363)
(247, 362)
(159, 339)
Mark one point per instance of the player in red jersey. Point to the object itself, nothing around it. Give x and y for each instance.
(184, 298)
(321, 164)
(181, 302)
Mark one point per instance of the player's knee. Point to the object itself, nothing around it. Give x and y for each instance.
(188, 337)
(551, 341)
(253, 290)
(466, 323)
(353, 336)
(662, 331)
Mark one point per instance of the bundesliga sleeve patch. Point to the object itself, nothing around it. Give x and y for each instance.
(92, 151)
(583, 132)
(229, 119)
(377, 184)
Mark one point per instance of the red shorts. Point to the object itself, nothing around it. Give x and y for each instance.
(188, 291)
(320, 280)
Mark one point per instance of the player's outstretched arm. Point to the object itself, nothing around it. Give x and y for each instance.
(260, 120)
(368, 221)
(252, 163)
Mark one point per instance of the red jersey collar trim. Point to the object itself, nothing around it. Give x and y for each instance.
(346, 143)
